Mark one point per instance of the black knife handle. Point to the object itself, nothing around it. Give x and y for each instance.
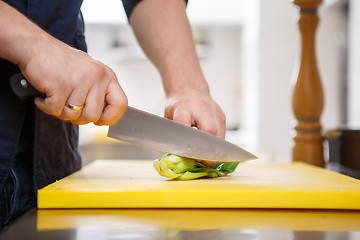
(22, 88)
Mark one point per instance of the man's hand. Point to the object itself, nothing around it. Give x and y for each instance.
(64, 74)
(196, 109)
(69, 76)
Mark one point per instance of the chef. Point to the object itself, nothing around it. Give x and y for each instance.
(45, 41)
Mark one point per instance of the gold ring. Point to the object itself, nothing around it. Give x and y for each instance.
(74, 107)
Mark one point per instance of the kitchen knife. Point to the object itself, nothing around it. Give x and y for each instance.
(157, 133)
(164, 135)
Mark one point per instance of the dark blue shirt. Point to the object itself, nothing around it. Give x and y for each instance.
(49, 144)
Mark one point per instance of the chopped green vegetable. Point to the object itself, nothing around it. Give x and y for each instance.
(182, 168)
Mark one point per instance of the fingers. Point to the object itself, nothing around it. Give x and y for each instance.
(103, 106)
(103, 102)
(212, 120)
(116, 101)
(181, 116)
(92, 107)
(74, 105)
(54, 103)
(205, 115)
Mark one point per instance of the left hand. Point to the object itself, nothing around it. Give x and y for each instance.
(196, 109)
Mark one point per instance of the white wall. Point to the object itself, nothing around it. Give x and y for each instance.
(270, 47)
(354, 65)
(329, 44)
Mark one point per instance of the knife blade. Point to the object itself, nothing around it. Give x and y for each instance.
(157, 133)
(164, 135)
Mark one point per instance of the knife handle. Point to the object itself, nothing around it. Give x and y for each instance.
(22, 88)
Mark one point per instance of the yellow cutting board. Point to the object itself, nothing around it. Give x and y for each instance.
(199, 219)
(136, 184)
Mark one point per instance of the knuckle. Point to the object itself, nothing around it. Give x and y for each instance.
(116, 110)
(101, 71)
(123, 103)
(111, 74)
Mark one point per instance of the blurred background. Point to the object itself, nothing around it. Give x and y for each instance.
(249, 51)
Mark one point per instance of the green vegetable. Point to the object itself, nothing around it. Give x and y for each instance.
(182, 168)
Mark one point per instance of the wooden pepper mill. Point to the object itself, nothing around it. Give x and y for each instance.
(308, 99)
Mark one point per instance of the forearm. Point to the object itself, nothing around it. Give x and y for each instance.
(163, 31)
(19, 38)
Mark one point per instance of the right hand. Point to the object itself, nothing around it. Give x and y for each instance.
(67, 75)
(64, 74)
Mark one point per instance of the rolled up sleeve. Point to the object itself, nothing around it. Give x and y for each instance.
(129, 6)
